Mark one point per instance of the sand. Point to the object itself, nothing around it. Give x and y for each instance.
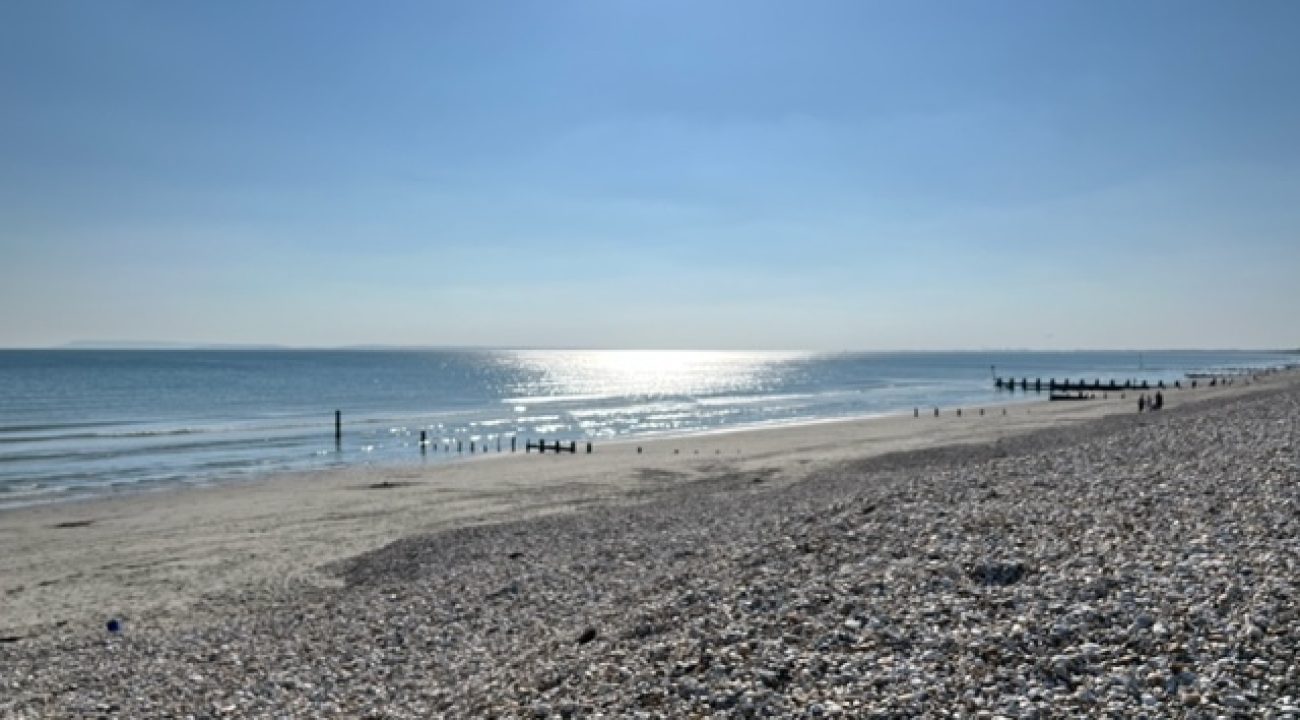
(155, 557)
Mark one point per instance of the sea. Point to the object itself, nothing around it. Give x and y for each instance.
(77, 423)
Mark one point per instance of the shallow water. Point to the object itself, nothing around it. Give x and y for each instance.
(76, 422)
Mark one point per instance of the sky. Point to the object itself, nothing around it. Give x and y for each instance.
(814, 175)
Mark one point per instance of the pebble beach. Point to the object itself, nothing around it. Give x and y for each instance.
(1134, 565)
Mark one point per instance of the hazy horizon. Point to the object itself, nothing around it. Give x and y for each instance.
(729, 175)
(199, 346)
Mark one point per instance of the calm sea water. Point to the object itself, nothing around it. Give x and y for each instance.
(80, 422)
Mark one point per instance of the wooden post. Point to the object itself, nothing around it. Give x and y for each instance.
(512, 443)
(573, 447)
(460, 446)
(424, 439)
(916, 412)
(338, 427)
(541, 445)
(588, 448)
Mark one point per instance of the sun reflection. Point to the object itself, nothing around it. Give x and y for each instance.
(654, 373)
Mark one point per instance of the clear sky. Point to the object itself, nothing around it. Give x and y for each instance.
(696, 174)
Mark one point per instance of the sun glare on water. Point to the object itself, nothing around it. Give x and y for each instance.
(653, 373)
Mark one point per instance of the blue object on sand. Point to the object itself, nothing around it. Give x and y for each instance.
(114, 626)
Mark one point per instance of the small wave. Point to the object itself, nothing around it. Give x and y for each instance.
(755, 399)
(44, 427)
(542, 399)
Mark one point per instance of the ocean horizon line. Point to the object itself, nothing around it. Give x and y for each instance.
(100, 346)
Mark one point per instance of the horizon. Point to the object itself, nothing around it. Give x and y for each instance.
(734, 175)
(236, 347)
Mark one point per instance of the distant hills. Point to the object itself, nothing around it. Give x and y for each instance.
(146, 345)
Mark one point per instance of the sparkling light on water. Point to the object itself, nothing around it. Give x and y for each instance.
(594, 374)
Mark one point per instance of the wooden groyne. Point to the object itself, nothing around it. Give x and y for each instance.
(1052, 385)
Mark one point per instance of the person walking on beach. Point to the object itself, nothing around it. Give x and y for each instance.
(1159, 401)
(1142, 402)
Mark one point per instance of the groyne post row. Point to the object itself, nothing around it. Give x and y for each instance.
(1052, 385)
(916, 412)
(540, 445)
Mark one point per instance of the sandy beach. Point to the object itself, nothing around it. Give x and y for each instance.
(596, 585)
(144, 555)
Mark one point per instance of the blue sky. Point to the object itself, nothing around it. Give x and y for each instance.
(820, 175)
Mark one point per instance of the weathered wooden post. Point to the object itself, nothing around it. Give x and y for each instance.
(573, 447)
(916, 412)
(588, 448)
(512, 443)
(338, 427)
(424, 439)
(460, 446)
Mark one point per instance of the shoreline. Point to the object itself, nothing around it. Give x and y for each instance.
(51, 468)
(444, 458)
(157, 554)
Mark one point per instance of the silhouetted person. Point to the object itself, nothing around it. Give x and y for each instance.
(1159, 401)
(1142, 403)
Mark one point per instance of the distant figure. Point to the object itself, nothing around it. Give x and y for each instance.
(1193, 384)
(1142, 403)
(1159, 401)
(936, 412)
